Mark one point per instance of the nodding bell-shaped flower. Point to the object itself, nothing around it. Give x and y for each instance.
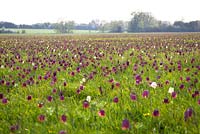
(41, 118)
(125, 124)
(63, 118)
(145, 94)
(188, 113)
(156, 113)
(116, 99)
(86, 104)
(88, 98)
(154, 85)
(101, 113)
(133, 96)
(171, 90)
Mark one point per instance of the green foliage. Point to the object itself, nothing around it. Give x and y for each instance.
(142, 21)
(64, 27)
(23, 31)
(193, 26)
(116, 26)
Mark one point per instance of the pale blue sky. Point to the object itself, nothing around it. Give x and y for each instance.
(83, 11)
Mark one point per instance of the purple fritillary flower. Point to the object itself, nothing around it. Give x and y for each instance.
(174, 94)
(62, 98)
(133, 96)
(63, 118)
(14, 128)
(145, 94)
(54, 90)
(117, 84)
(4, 100)
(41, 118)
(188, 113)
(166, 100)
(116, 99)
(181, 86)
(65, 84)
(188, 79)
(125, 124)
(101, 113)
(29, 97)
(156, 113)
(49, 98)
(62, 132)
(86, 104)
(1, 95)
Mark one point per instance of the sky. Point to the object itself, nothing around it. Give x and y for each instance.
(83, 11)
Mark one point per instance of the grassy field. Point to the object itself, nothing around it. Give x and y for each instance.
(51, 31)
(103, 83)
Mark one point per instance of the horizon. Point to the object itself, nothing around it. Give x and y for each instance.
(37, 11)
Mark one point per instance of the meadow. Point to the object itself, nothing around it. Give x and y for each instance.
(103, 83)
(48, 31)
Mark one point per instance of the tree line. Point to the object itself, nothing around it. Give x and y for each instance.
(140, 22)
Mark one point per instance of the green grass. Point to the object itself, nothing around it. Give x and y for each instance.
(99, 53)
(51, 31)
(35, 31)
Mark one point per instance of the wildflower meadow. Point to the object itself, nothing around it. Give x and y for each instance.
(100, 84)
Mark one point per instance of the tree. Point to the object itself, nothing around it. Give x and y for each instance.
(116, 26)
(179, 26)
(7, 25)
(99, 25)
(64, 27)
(95, 24)
(69, 26)
(163, 26)
(194, 26)
(103, 26)
(142, 22)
